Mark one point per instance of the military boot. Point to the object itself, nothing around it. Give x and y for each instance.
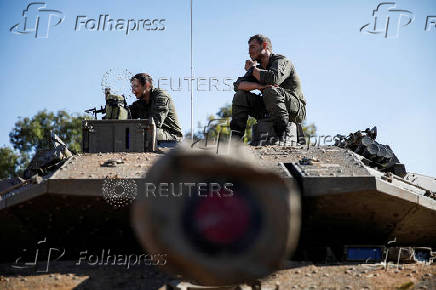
(287, 133)
(285, 137)
(237, 136)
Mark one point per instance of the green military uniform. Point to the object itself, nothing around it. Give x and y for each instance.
(281, 104)
(161, 108)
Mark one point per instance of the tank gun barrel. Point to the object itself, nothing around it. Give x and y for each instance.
(219, 219)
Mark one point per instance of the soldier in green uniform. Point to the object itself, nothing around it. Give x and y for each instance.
(156, 103)
(281, 98)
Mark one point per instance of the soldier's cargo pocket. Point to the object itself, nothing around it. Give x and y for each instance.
(302, 112)
(296, 109)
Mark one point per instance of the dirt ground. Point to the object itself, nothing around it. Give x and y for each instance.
(294, 275)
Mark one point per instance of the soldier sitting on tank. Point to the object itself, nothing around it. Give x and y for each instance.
(281, 99)
(155, 103)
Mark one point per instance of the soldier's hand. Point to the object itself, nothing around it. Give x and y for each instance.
(249, 63)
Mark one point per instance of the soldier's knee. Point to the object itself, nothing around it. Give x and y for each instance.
(240, 94)
(240, 97)
(274, 100)
(270, 91)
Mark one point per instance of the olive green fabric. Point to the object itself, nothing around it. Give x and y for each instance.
(279, 71)
(115, 107)
(161, 108)
(246, 104)
(274, 103)
(282, 103)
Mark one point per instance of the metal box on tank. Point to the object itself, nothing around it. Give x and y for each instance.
(118, 136)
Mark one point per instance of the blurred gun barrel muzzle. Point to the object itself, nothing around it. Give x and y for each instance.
(220, 220)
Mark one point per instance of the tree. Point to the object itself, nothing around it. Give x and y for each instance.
(12, 164)
(29, 134)
(8, 162)
(308, 129)
(220, 125)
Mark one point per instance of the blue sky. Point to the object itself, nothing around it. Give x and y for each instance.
(352, 80)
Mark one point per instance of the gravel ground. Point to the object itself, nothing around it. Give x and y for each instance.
(294, 275)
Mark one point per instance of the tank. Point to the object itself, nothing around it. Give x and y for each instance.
(280, 202)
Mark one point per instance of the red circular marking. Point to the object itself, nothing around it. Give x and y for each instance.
(222, 219)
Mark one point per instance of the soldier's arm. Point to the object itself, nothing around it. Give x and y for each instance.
(160, 109)
(247, 78)
(133, 113)
(249, 86)
(278, 72)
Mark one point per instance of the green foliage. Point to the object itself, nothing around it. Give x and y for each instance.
(8, 162)
(308, 129)
(30, 133)
(220, 124)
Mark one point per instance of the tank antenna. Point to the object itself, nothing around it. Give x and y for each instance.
(192, 89)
